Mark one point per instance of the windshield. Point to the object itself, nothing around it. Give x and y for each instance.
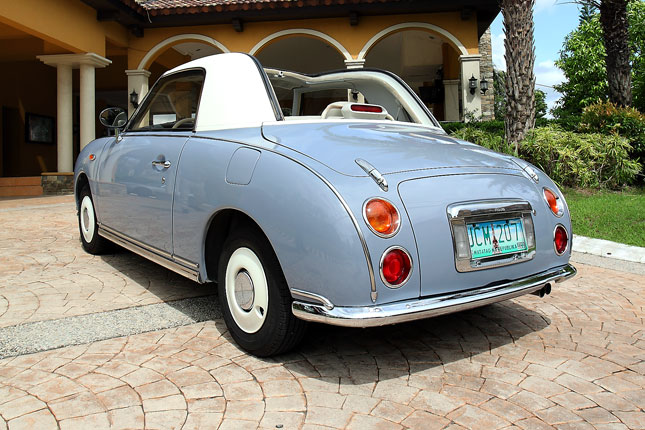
(332, 95)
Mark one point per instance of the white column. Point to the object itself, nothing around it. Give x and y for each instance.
(472, 103)
(64, 64)
(87, 105)
(354, 64)
(451, 99)
(137, 82)
(64, 118)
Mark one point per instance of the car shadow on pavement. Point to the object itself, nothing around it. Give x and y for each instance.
(155, 279)
(361, 356)
(366, 355)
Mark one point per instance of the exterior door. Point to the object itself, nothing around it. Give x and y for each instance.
(136, 195)
(138, 169)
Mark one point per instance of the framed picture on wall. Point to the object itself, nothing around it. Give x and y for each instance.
(39, 128)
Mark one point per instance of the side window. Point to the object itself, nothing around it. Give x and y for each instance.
(172, 103)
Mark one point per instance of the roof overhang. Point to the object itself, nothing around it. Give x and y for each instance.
(151, 14)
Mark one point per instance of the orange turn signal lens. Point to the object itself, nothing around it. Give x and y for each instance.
(382, 217)
(554, 202)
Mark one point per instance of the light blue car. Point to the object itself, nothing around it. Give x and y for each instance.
(334, 198)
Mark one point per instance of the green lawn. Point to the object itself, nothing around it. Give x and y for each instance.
(611, 215)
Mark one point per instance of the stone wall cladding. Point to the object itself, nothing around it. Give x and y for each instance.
(57, 184)
(486, 72)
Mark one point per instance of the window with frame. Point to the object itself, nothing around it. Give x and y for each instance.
(172, 104)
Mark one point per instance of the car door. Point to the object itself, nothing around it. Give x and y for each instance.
(138, 169)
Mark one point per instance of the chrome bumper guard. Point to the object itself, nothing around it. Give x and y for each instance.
(410, 310)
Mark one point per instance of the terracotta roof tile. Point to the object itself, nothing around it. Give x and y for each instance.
(174, 4)
(166, 7)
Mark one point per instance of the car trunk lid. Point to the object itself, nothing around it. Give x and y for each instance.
(391, 147)
(426, 202)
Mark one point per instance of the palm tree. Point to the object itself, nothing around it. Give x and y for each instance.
(520, 78)
(615, 32)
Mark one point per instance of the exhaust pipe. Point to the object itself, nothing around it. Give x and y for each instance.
(543, 291)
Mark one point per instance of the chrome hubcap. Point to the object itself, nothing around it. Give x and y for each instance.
(244, 294)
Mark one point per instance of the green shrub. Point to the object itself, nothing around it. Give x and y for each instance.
(484, 138)
(568, 123)
(569, 157)
(580, 159)
(607, 118)
(494, 127)
(451, 127)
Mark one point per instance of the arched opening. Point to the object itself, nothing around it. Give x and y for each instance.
(300, 53)
(426, 60)
(178, 53)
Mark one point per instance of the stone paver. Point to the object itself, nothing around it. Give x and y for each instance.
(573, 360)
(45, 274)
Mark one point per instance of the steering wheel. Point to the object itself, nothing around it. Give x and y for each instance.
(182, 122)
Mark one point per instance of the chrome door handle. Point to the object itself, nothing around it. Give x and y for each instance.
(165, 164)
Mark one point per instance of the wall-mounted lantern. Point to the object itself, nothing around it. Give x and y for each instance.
(483, 84)
(472, 84)
(134, 99)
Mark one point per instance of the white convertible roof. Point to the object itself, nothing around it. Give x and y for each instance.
(235, 93)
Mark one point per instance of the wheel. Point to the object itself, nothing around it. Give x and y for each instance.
(92, 242)
(254, 297)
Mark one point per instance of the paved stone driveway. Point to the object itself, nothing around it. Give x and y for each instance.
(574, 360)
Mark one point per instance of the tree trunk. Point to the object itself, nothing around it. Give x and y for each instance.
(520, 78)
(615, 30)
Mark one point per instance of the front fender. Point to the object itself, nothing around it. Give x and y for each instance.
(89, 167)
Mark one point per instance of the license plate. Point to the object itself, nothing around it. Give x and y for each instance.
(493, 238)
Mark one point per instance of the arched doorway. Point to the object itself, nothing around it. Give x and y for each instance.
(178, 53)
(166, 55)
(302, 53)
(426, 61)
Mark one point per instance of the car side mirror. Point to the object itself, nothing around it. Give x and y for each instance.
(113, 118)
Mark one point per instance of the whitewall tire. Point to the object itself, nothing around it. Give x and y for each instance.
(87, 224)
(87, 219)
(254, 297)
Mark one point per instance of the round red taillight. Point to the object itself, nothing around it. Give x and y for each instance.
(560, 239)
(382, 217)
(396, 267)
(554, 202)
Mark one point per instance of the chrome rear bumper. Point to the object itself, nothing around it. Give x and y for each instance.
(409, 310)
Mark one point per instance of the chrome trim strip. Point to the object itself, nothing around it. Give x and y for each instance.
(187, 263)
(156, 255)
(312, 296)
(487, 207)
(410, 310)
(366, 251)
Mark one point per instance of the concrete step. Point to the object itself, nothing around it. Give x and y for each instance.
(19, 187)
(20, 181)
(21, 191)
